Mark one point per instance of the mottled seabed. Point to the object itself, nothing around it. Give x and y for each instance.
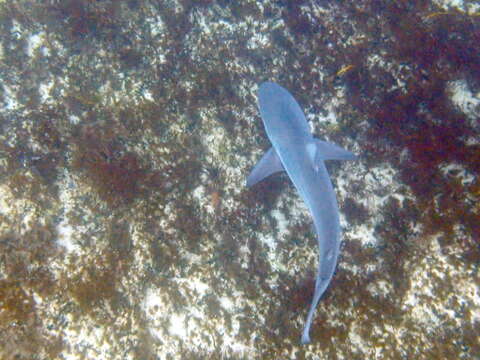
(127, 129)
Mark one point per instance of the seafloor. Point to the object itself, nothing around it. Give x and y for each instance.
(127, 130)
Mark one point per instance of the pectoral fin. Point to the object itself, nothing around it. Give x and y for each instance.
(270, 163)
(328, 151)
(319, 150)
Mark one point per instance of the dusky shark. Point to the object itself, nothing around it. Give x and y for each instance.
(302, 156)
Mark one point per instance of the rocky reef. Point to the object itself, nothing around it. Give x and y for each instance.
(127, 130)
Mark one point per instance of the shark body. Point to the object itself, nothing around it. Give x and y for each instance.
(297, 152)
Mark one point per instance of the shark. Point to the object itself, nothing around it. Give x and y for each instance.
(296, 151)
